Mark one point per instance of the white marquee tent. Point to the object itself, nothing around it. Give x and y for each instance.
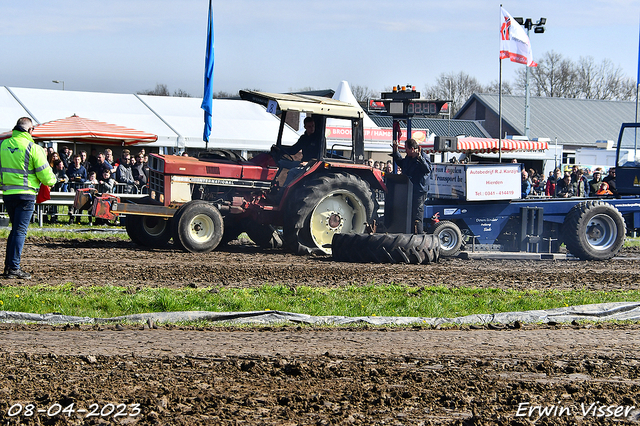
(178, 122)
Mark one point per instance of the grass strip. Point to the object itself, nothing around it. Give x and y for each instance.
(387, 300)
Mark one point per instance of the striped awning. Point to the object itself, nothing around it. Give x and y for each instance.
(84, 130)
(480, 145)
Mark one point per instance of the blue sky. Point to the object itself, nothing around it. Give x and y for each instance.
(280, 45)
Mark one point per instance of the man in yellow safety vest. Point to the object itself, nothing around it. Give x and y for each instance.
(23, 167)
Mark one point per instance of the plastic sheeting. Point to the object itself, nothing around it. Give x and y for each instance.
(623, 311)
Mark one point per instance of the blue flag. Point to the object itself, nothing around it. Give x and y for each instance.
(207, 99)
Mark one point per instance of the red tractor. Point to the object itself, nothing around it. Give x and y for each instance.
(201, 202)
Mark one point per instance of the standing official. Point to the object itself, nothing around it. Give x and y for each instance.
(23, 167)
(417, 166)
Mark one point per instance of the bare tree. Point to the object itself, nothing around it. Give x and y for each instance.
(455, 87)
(181, 94)
(494, 87)
(556, 76)
(553, 77)
(160, 90)
(222, 94)
(363, 93)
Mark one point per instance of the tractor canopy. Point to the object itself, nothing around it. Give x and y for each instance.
(315, 105)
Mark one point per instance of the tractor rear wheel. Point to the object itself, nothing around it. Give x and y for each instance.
(329, 204)
(386, 248)
(198, 227)
(149, 231)
(594, 230)
(450, 238)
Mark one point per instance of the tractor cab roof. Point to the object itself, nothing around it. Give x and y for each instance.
(316, 105)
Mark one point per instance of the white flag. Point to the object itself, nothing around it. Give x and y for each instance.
(514, 41)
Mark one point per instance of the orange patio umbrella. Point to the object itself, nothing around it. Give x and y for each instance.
(83, 130)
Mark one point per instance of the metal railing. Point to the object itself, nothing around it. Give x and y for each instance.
(61, 199)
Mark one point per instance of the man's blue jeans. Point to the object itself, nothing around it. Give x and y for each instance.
(20, 212)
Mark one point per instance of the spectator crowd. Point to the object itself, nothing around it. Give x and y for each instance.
(576, 183)
(128, 174)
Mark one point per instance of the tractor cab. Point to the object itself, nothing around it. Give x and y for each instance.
(320, 109)
(627, 169)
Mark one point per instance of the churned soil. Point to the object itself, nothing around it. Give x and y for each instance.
(288, 375)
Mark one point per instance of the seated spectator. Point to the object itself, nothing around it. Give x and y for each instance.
(77, 174)
(106, 182)
(108, 157)
(124, 174)
(537, 185)
(611, 180)
(526, 184)
(603, 190)
(594, 184)
(550, 187)
(85, 160)
(65, 156)
(139, 173)
(574, 173)
(62, 184)
(564, 188)
(93, 158)
(92, 179)
(101, 165)
(52, 157)
(581, 185)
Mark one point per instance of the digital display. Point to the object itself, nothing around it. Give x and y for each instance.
(422, 108)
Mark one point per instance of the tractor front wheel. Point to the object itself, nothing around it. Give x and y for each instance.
(198, 227)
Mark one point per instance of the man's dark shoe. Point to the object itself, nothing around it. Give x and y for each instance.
(17, 274)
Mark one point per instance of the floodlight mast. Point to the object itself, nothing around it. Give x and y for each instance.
(538, 28)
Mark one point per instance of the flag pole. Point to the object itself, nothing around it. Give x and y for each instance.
(638, 78)
(500, 115)
(635, 143)
(500, 110)
(207, 98)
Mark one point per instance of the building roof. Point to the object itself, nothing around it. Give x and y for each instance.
(438, 126)
(573, 121)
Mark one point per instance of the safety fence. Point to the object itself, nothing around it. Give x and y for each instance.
(52, 207)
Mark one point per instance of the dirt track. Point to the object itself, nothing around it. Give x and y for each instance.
(292, 375)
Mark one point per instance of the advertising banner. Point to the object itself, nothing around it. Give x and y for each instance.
(447, 181)
(493, 182)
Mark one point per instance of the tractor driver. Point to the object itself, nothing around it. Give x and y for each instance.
(309, 142)
(307, 148)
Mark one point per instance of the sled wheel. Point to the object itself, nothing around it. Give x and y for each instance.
(330, 204)
(199, 226)
(149, 231)
(450, 238)
(386, 248)
(594, 230)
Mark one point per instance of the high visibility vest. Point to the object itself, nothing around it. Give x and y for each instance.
(23, 165)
